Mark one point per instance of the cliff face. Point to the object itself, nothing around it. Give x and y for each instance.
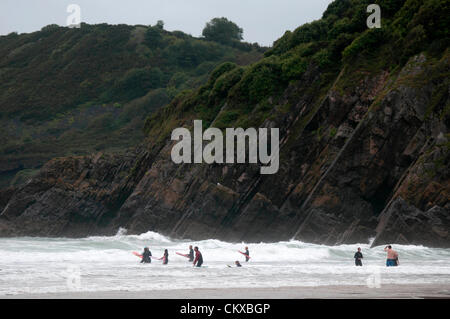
(331, 188)
(364, 153)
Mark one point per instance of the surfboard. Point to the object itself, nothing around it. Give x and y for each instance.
(244, 254)
(137, 254)
(184, 255)
(152, 257)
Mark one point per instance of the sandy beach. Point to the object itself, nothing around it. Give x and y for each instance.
(422, 291)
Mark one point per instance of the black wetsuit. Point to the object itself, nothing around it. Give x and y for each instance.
(358, 257)
(146, 257)
(166, 259)
(191, 255)
(247, 258)
(198, 259)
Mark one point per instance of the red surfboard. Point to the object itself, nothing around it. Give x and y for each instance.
(156, 258)
(244, 254)
(137, 254)
(184, 255)
(140, 256)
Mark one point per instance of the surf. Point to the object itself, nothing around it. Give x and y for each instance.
(42, 265)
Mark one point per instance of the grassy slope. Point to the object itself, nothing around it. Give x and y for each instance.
(74, 91)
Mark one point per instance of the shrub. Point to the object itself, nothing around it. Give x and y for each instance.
(322, 58)
(226, 119)
(313, 31)
(226, 81)
(136, 83)
(370, 39)
(293, 67)
(258, 82)
(153, 38)
(221, 69)
(415, 40)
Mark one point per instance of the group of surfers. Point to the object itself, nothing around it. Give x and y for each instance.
(195, 256)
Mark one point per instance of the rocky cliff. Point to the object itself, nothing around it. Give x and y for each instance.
(364, 130)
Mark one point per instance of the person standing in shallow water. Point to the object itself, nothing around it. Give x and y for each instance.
(198, 261)
(358, 256)
(248, 254)
(392, 256)
(146, 256)
(166, 257)
(191, 254)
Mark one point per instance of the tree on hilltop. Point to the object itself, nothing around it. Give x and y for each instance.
(223, 31)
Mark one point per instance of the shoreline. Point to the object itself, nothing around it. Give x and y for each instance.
(407, 291)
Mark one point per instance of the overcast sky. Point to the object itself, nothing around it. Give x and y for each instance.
(263, 21)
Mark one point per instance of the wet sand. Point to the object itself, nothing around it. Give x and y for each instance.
(416, 291)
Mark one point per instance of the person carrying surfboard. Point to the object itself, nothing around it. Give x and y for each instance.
(165, 258)
(247, 253)
(146, 256)
(198, 261)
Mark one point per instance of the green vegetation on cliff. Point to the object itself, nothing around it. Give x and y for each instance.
(75, 91)
(249, 95)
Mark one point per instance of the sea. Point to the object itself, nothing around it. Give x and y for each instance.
(57, 265)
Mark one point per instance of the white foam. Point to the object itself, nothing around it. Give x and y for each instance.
(38, 265)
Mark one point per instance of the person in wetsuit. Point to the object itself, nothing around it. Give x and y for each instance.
(191, 254)
(237, 263)
(198, 261)
(247, 253)
(358, 256)
(166, 257)
(146, 256)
